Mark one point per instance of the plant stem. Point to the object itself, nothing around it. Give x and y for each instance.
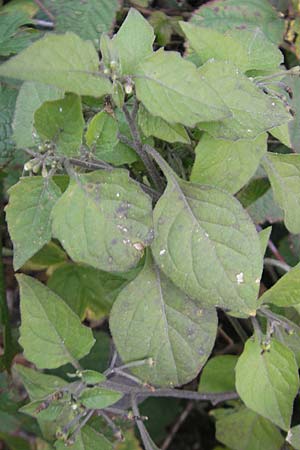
(234, 322)
(276, 263)
(138, 147)
(147, 441)
(45, 10)
(175, 393)
(282, 321)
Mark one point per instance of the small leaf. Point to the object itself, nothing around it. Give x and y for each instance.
(31, 96)
(51, 334)
(192, 220)
(284, 174)
(88, 439)
(252, 111)
(232, 14)
(61, 122)
(89, 292)
(286, 291)
(245, 430)
(38, 384)
(102, 136)
(49, 255)
(157, 127)
(185, 99)
(64, 61)
(52, 412)
(104, 219)
(133, 41)
(226, 164)
(264, 236)
(98, 397)
(293, 437)
(248, 50)
(218, 374)
(267, 381)
(163, 324)
(28, 215)
(92, 377)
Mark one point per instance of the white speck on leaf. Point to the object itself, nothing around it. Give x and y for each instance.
(60, 109)
(162, 252)
(240, 278)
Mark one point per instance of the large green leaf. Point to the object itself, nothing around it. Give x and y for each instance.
(61, 122)
(226, 164)
(88, 19)
(28, 216)
(133, 41)
(88, 439)
(284, 174)
(8, 97)
(163, 324)
(252, 111)
(88, 291)
(184, 97)
(294, 125)
(31, 96)
(286, 291)
(247, 15)
(267, 381)
(38, 384)
(245, 430)
(248, 50)
(51, 333)
(104, 219)
(218, 374)
(102, 136)
(64, 61)
(98, 397)
(191, 221)
(159, 128)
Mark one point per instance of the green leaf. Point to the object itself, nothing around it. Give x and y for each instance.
(102, 136)
(245, 430)
(61, 122)
(51, 413)
(8, 97)
(267, 381)
(64, 61)
(98, 397)
(38, 384)
(12, 38)
(294, 125)
(163, 324)
(49, 255)
(248, 50)
(226, 164)
(15, 442)
(89, 292)
(264, 236)
(31, 96)
(282, 134)
(252, 111)
(248, 15)
(51, 334)
(92, 377)
(133, 41)
(28, 216)
(218, 374)
(184, 99)
(293, 437)
(284, 174)
(159, 128)
(192, 220)
(286, 291)
(88, 19)
(104, 219)
(88, 439)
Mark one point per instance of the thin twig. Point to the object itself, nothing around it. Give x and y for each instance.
(116, 430)
(147, 441)
(177, 425)
(275, 262)
(46, 10)
(234, 322)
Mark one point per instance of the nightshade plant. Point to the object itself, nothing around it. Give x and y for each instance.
(157, 244)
